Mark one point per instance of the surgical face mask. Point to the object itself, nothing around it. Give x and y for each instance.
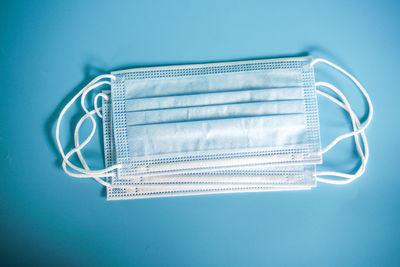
(224, 181)
(256, 179)
(171, 120)
(224, 127)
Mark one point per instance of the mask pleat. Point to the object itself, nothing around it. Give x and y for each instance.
(203, 99)
(216, 134)
(204, 83)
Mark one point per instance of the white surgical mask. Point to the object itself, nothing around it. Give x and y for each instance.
(256, 179)
(215, 116)
(213, 128)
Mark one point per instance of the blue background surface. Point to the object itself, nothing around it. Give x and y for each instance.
(49, 49)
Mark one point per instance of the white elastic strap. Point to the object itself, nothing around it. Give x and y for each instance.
(86, 173)
(107, 172)
(363, 91)
(346, 106)
(96, 108)
(76, 134)
(363, 155)
(78, 152)
(88, 114)
(355, 121)
(357, 128)
(78, 126)
(78, 147)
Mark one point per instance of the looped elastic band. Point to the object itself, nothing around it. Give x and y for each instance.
(358, 129)
(96, 108)
(85, 172)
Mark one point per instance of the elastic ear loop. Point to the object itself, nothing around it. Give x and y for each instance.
(355, 122)
(364, 156)
(363, 91)
(107, 172)
(76, 135)
(98, 173)
(78, 147)
(83, 118)
(78, 151)
(361, 129)
(346, 106)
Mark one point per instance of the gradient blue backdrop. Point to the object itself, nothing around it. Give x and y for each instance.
(49, 49)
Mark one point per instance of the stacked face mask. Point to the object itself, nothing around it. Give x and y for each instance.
(212, 128)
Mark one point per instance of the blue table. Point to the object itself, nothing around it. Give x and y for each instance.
(50, 49)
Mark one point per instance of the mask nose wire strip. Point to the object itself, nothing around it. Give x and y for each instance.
(83, 172)
(363, 91)
(364, 156)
